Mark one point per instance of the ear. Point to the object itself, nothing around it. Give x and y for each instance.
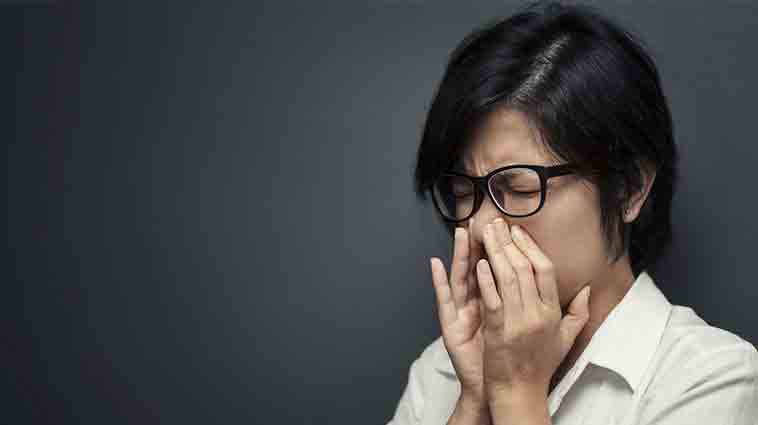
(637, 200)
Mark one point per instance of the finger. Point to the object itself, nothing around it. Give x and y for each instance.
(473, 252)
(543, 267)
(445, 305)
(488, 288)
(505, 276)
(520, 264)
(458, 268)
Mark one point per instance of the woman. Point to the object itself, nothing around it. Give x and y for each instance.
(549, 154)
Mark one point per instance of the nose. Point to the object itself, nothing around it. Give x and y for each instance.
(487, 213)
(476, 223)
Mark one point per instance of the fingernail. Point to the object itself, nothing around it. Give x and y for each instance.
(458, 232)
(498, 220)
(516, 231)
(482, 264)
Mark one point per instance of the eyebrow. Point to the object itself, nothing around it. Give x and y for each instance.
(459, 165)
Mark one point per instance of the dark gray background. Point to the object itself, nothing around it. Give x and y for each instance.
(210, 211)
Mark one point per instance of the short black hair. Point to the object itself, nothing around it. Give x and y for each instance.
(594, 95)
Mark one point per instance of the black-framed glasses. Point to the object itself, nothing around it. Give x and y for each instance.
(517, 190)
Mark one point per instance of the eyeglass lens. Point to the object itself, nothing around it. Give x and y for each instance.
(516, 190)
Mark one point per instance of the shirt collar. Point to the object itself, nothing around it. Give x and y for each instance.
(626, 340)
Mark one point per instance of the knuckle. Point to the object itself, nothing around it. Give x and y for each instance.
(535, 325)
(523, 266)
(547, 267)
(547, 310)
(554, 314)
(511, 278)
(526, 370)
(499, 255)
(493, 330)
(498, 249)
(494, 309)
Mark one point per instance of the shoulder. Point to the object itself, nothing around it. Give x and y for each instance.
(689, 336)
(424, 374)
(434, 349)
(692, 352)
(434, 356)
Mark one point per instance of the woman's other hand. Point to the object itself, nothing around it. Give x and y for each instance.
(526, 337)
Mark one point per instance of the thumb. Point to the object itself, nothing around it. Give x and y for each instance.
(573, 322)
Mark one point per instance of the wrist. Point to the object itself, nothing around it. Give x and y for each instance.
(474, 402)
(525, 404)
(473, 394)
(515, 396)
(472, 409)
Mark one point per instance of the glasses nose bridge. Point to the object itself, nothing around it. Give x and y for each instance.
(482, 185)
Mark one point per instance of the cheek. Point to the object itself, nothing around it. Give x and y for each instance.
(569, 234)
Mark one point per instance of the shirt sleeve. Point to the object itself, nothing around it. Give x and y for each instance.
(410, 408)
(720, 387)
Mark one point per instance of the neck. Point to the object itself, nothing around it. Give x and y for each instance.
(608, 288)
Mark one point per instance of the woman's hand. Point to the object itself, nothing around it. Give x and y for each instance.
(460, 314)
(525, 338)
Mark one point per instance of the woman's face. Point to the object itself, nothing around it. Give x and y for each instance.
(566, 228)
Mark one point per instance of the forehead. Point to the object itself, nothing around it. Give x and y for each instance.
(503, 137)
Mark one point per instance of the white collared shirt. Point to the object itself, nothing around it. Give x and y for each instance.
(649, 362)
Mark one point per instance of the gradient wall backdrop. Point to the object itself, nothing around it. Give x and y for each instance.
(210, 211)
